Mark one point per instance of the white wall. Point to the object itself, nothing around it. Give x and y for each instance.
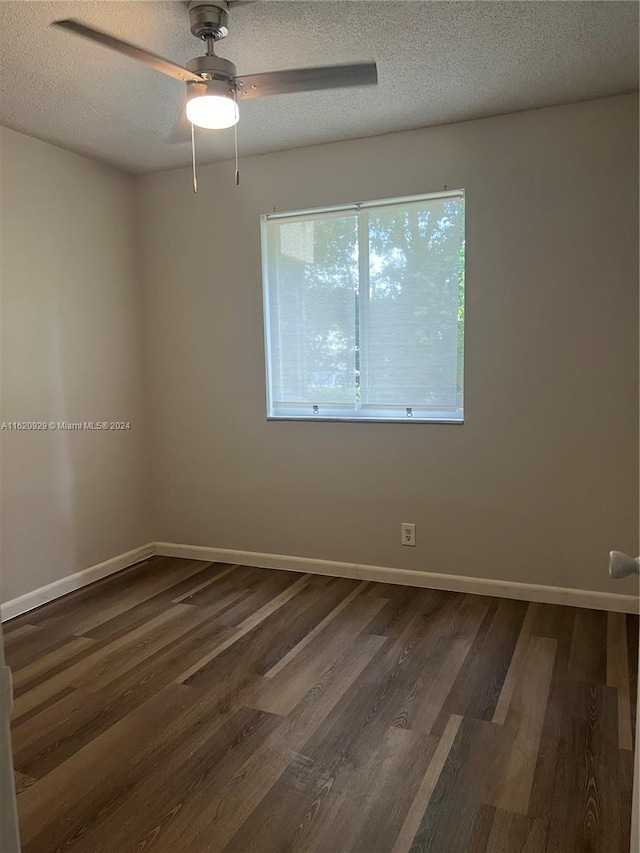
(539, 483)
(71, 351)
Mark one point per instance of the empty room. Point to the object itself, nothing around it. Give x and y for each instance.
(319, 426)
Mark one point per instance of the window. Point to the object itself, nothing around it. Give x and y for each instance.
(364, 310)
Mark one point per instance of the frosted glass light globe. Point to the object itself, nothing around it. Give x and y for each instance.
(213, 112)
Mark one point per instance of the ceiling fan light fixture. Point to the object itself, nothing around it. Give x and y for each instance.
(212, 81)
(213, 112)
(212, 105)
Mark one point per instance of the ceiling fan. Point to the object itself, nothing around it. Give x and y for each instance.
(213, 86)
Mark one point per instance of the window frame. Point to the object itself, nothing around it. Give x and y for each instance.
(397, 414)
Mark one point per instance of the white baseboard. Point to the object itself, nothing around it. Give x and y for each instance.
(590, 599)
(257, 560)
(429, 580)
(31, 600)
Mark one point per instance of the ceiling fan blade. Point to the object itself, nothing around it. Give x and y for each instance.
(306, 79)
(164, 66)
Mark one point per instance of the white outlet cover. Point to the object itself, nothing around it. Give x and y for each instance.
(408, 534)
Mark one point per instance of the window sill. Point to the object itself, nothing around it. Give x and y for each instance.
(402, 420)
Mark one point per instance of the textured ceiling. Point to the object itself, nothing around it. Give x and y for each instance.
(438, 62)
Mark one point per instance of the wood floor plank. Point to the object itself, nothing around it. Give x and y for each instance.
(47, 808)
(482, 827)
(515, 833)
(89, 607)
(162, 786)
(11, 634)
(136, 595)
(33, 646)
(137, 613)
(50, 615)
(476, 690)
(247, 625)
(511, 785)
(236, 674)
(183, 705)
(319, 813)
(215, 813)
(618, 674)
(437, 618)
(224, 570)
(516, 665)
(304, 619)
(280, 665)
(580, 725)
(589, 776)
(388, 773)
(342, 750)
(557, 622)
(412, 821)
(96, 664)
(128, 650)
(59, 730)
(588, 659)
(22, 781)
(536, 839)
(256, 596)
(405, 604)
(454, 631)
(456, 808)
(281, 694)
(51, 661)
(239, 578)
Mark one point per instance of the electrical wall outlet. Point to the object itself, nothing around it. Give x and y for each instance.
(408, 532)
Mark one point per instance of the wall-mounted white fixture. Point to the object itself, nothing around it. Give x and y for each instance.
(621, 565)
(408, 534)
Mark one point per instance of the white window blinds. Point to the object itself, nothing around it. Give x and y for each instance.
(313, 273)
(364, 310)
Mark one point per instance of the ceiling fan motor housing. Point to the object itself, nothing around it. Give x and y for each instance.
(212, 68)
(218, 74)
(210, 87)
(209, 20)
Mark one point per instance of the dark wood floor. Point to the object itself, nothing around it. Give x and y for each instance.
(185, 706)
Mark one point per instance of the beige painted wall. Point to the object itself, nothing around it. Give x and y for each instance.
(539, 483)
(70, 317)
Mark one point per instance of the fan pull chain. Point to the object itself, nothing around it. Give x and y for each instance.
(235, 144)
(193, 158)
